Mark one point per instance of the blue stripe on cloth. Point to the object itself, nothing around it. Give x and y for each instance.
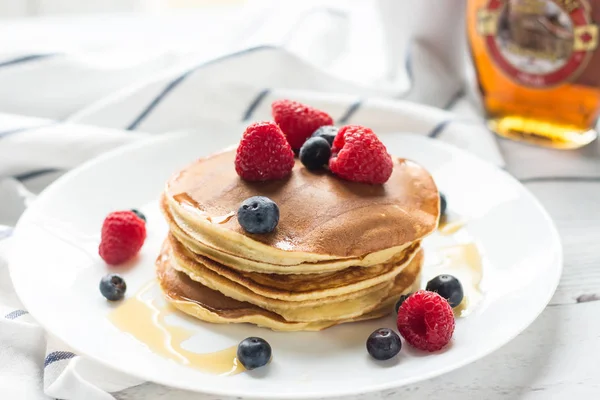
(15, 314)
(408, 63)
(177, 81)
(35, 174)
(255, 104)
(5, 231)
(350, 111)
(24, 59)
(57, 356)
(454, 99)
(24, 129)
(561, 179)
(439, 128)
(172, 85)
(408, 67)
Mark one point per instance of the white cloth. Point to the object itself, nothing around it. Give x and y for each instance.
(64, 101)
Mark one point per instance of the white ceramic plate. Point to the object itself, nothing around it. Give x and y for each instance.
(56, 271)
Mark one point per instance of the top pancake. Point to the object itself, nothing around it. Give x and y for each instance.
(320, 214)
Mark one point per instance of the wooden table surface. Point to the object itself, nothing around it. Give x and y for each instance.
(556, 357)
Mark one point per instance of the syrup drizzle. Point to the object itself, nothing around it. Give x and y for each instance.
(447, 228)
(462, 260)
(144, 317)
(187, 202)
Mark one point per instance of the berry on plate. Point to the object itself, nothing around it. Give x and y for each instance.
(263, 153)
(258, 214)
(425, 321)
(253, 352)
(383, 344)
(448, 287)
(298, 121)
(400, 301)
(359, 156)
(315, 153)
(123, 234)
(328, 132)
(113, 287)
(443, 204)
(139, 214)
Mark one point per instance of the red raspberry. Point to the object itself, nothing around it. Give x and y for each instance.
(263, 153)
(298, 121)
(426, 321)
(359, 156)
(123, 234)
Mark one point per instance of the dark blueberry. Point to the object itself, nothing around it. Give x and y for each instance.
(400, 301)
(443, 204)
(139, 214)
(383, 344)
(327, 132)
(315, 153)
(258, 214)
(254, 352)
(448, 287)
(113, 287)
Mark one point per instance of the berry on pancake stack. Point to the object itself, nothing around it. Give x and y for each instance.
(298, 121)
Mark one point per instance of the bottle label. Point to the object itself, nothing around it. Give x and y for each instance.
(539, 43)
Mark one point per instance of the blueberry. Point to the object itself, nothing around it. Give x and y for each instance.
(443, 204)
(258, 214)
(315, 153)
(448, 287)
(383, 344)
(400, 301)
(139, 214)
(254, 352)
(327, 132)
(113, 287)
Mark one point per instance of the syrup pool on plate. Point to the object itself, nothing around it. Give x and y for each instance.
(454, 252)
(144, 316)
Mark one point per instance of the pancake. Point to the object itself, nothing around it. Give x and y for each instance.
(194, 241)
(333, 306)
(290, 287)
(212, 306)
(322, 218)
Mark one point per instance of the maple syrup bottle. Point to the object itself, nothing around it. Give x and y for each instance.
(538, 68)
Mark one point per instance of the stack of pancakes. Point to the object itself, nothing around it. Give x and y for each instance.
(342, 251)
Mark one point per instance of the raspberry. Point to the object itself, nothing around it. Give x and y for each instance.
(263, 153)
(426, 321)
(298, 121)
(123, 234)
(359, 156)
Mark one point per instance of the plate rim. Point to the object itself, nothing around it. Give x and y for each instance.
(558, 264)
